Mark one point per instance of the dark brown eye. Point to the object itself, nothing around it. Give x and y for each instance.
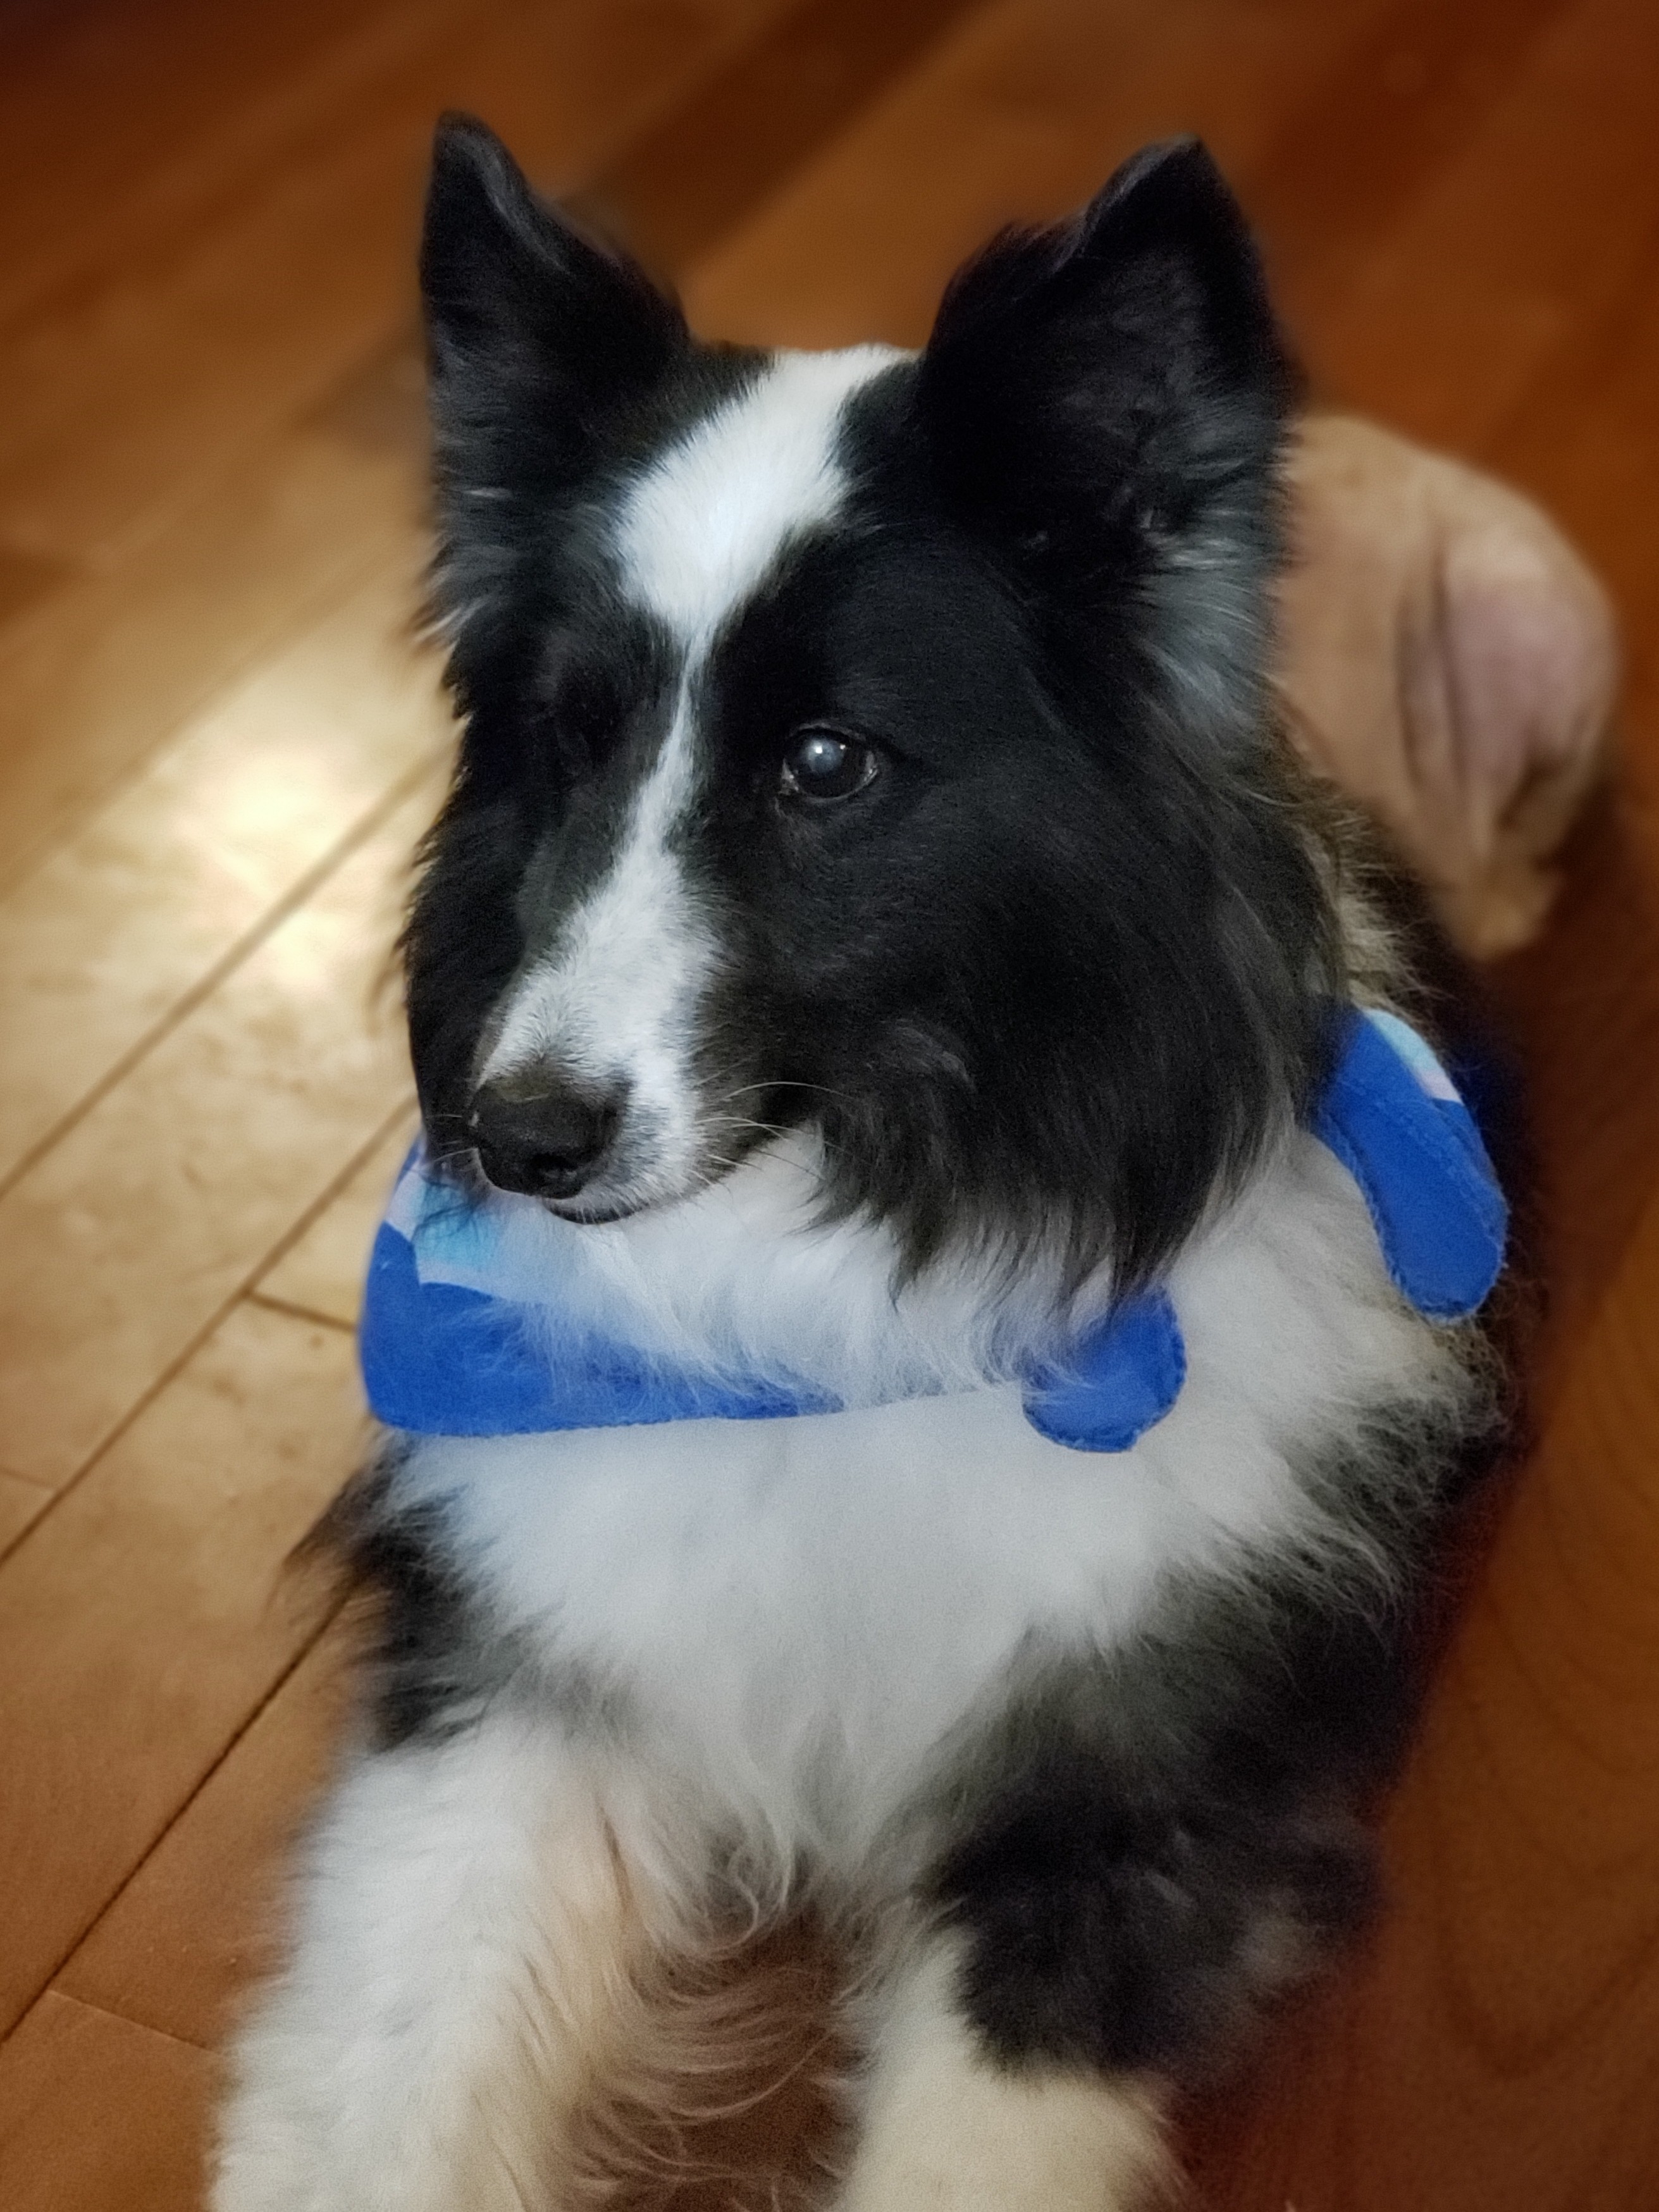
(820, 764)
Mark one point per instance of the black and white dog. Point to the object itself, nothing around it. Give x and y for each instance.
(875, 950)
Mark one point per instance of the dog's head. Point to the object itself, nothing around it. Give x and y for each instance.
(866, 741)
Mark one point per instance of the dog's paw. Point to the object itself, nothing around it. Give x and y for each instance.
(996, 2141)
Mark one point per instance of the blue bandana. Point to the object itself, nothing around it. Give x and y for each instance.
(443, 1354)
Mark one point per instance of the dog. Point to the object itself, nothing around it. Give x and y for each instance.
(935, 1327)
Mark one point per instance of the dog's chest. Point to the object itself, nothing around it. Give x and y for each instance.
(796, 1613)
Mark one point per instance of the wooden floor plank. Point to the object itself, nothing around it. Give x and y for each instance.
(1399, 104)
(118, 405)
(1499, 2047)
(91, 679)
(19, 1504)
(123, 1243)
(183, 1941)
(147, 1614)
(1021, 114)
(172, 108)
(1447, 325)
(94, 679)
(1585, 440)
(26, 578)
(165, 107)
(97, 2115)
(148, 899)
(1584, 1006)
(715, 157)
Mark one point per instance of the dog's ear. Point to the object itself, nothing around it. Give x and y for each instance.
(1134, 341)
(537, 337)
(1110, 395)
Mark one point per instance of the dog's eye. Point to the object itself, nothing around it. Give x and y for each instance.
(819, 764)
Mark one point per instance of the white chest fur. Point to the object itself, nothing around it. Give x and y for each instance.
(795, 1613)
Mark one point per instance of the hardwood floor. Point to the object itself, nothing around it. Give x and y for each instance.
(218, 741)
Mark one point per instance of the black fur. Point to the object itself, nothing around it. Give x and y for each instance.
(430, 1658)
(435, 1654)
(1147, 1847)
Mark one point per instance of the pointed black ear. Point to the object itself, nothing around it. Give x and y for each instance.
(1110, 394)
(1132, 336)
(509, 284)
(538, 338)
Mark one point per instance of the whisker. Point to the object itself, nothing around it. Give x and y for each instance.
(734, 1121)
(793, 1082)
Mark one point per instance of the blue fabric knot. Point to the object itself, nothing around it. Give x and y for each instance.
(446, 1353)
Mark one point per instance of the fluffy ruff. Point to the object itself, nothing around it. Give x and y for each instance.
(874, 915)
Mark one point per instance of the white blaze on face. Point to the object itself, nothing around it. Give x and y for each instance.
(613, 1000)
(617, 998)
(706, 523)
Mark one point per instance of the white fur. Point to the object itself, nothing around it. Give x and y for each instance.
(616, 998)
(463, 1961)
(709, 518)
(798, 1614)
(945, 2130)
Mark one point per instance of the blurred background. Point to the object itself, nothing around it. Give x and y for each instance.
(218, 741)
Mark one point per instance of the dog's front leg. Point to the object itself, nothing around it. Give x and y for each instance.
(948, 2128)
(467, 1932)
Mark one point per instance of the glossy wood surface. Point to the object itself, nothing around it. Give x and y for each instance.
(218, 741)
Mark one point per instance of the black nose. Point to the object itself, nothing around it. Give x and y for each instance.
(542, 1133)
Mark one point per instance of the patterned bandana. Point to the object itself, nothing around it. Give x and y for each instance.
(451, 1347)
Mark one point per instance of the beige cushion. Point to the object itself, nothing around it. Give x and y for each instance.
(1448, 659)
